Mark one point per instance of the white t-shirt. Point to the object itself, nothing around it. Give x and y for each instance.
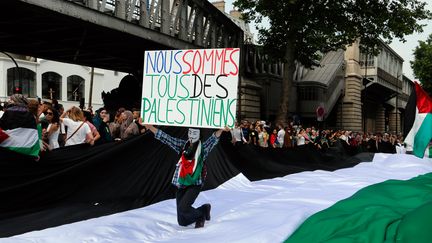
(300, 141)
(237, 134)
(280, 137)
(53, 138)
(80, 136)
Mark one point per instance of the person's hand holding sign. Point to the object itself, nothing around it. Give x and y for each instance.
(219, 132)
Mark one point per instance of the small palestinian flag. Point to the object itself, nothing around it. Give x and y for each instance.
(19, 132)
(418, 122)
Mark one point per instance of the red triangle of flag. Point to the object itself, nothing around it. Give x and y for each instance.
(424, 101)
(3, 135)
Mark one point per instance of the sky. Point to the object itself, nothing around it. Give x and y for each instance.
(405, 50)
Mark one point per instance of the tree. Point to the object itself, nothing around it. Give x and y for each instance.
(422, 64)
(300, 29)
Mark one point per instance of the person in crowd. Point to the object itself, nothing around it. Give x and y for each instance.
(1, 110)
(36, 108)
(399, 145)
(246, 130)
(88, 118)
(78, 131)
(324, 140)
(62, 130)
(262, 136)
(15, 117)
(237, 135)
(301, 138)
(253, 135)
(44, 107)
(97, 120)
(128, 127)
(268, 127)
(102, 119)
(384, 145)
(53, 130)
(345, 137)
(59, 108)
(334, 137)
(115, 125)
(138, 120)
(371, 144)
(189, 178)
(288, 138)
(273, 139)
(280, 136)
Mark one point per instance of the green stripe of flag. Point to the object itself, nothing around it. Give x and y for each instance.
(391, 211)
(32, 151)
(423, 136)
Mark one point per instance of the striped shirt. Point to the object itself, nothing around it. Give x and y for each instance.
(177, 144)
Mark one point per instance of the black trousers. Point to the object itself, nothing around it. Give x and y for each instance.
(185, 197)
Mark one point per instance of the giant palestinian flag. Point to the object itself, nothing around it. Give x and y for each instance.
(418, 122)
(18, 131)
(82, 182)
(387, 202)
(260, 195)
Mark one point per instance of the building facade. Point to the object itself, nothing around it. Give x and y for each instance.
(357, 92)
(45, 79)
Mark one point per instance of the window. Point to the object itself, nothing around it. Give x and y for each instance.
(22, 79)
(370, 60)
(75, 88)
(51, 86)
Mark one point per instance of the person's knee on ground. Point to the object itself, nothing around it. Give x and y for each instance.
(181, 221)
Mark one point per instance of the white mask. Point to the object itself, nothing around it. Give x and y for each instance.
(193, 135)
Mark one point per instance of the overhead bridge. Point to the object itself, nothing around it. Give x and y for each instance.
(111, 34)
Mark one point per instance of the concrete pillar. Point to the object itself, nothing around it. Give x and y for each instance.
(380, 119)
(395, 121)
(92, 4)
(350, 112)
(120, 9)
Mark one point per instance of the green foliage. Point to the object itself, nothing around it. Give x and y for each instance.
(307, 27)
(422, 64)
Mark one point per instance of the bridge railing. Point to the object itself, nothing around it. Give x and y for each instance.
(194, 21)
(257, 62)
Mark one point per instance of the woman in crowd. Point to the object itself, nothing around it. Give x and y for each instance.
(301, 138)
(52, 132)
(102, 120)
(115, 125)
(128, 127)
(78, 131)
(89, 120)
(262, 136)
(273, 139)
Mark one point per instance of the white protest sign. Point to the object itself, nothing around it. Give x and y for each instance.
(190, 88)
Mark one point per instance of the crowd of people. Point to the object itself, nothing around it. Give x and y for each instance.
(263, 134)
(76, 126)
(59, 127)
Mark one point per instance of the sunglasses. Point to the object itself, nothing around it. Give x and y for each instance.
(49, 113)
